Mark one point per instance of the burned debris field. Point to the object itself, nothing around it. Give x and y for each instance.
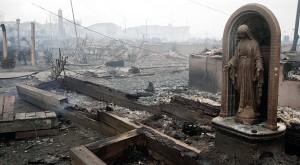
(167, 105)
(149, 94)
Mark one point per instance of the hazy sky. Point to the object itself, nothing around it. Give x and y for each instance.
(203, 21)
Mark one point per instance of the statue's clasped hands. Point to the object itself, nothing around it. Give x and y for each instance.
(227, 67)
(258, 74)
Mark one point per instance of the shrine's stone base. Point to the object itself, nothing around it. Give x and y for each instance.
(247, 142)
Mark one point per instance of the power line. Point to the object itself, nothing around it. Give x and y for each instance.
(26, 76)
(208, 7)
(95, 31)
(216, 5)
(74, 22)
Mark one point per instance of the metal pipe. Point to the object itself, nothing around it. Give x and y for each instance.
(5, 55)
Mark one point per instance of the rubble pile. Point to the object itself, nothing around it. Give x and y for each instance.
(47, 150)
(289, 116)
(164, 95)
(292, 69)
(8, 63)
(294, 75)
(157, 60)
(197, 135)
(131, 114)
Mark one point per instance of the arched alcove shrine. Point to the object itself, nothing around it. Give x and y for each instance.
(249, 141)
(266, 31)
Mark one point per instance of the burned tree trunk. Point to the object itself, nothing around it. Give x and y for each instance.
(59, 66)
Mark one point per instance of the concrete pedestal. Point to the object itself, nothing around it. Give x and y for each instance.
(247, 142)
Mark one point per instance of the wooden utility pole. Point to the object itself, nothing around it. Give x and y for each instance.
(74, 24)
(19, 45)
(33, 44)
(50, 28)
(125, 28)
(296, 35)
(4, 42)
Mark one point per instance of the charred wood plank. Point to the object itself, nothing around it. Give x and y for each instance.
(8, 108)
(116, 122)
(110, 148)
(184, 112)
(87, 122)
(207, 109)
(36, 133)
(1, 106)
(41, 95)
(83, 156)
(104, 93)
(108, 94)
(158, 144)
(136, 96)
(170, 155)
(58, 104)
(28, 123)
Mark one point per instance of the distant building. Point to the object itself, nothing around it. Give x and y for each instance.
(11, 28)
(70, 29)
(165, 33)
(25, 29)
(108, 29)
(286, 39)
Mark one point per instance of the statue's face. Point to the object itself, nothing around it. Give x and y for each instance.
(241, 34)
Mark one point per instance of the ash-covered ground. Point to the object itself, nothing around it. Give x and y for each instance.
(169, 76)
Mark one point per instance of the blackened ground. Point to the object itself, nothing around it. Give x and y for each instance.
(46, 150)
(167, 81)
(137, 155)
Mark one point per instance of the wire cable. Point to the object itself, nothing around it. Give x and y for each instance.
(208, 7)
(125, 43)
(28, 75)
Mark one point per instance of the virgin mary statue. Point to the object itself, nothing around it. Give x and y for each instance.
(246, 72)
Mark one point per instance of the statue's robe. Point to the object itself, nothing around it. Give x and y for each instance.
(245, 61)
